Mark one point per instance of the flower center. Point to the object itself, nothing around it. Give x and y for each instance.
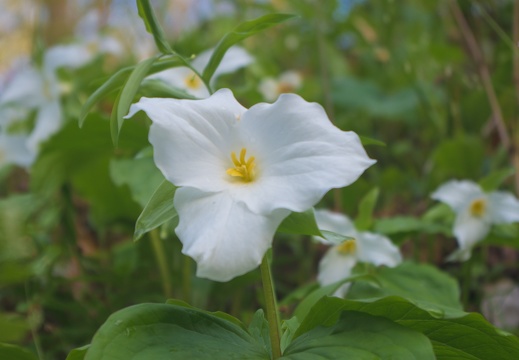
(478, 207)
(348, 247)
(243, 169)
(192, 81)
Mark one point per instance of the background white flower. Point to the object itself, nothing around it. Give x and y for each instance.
(185, 79)
(288, 82)
(475, 212)
(339, 260)
(240, 172)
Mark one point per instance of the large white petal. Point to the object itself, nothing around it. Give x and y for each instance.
(469, 231)
(458, 194)
(334, 267)
(222, 236)
(193, 139)
(300, 155)
(377, 249)
(503, 207)
(336, 222)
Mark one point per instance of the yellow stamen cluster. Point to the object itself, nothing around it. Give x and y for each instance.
(348, 247)
(243, 168)
(192, 81)
(478, 208)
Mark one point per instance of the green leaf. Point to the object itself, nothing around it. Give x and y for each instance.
(125, 98)
(158, 88)
(305, 224)
(14, 352)
(78, 353)
(158, 210)
(423, 284)
(139, 174)
(162, 331)
(357, 335)
(454, 335)
(152, 26)
(300, 223)
(117, 80)
(288, 329)
(370, 141)
(259, 330)
(494, 180)
(364, 218)
(313, 298)
(13, 327)
(242, 31)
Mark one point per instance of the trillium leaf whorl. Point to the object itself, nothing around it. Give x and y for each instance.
(240, 172)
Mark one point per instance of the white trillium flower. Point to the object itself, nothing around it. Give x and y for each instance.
(186, 79)
(241, 171)
(366, 247)
(476, 211)
(31, 88)
(288, 82)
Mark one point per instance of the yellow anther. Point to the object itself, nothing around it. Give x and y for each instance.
(243, 168)
(478, 208)
(192, 81)
(348, 247)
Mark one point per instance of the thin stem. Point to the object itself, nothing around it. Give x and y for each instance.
(271, 308)
(158, 250)
(187, 273)
(484, 73)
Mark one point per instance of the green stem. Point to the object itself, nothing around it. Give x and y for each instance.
(466, 282)
(186, 278)
(159, 251)
(271, 308)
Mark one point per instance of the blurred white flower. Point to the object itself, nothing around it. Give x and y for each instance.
(185, 79)
(475, 212)
(366, 247)
(288, 82)
(241, 171)
(37, 89)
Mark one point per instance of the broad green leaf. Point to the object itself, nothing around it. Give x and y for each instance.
(364, 218)
(78, 353)
(117, 80)
(454, 335)
(219, 314)
(240, 32)
(494, 180)
(158, 210)
(152, 26)
(139, 174)
(15, 352)
(305, 224)
(357, 335)
(288, 330)
(259, 330)
(423, 284)
(310, 300)
(162, 331)
(409, 224)
(300, 223)
(129, 91)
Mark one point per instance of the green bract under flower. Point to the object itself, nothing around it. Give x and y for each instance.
(476, 211)
(241, 171)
